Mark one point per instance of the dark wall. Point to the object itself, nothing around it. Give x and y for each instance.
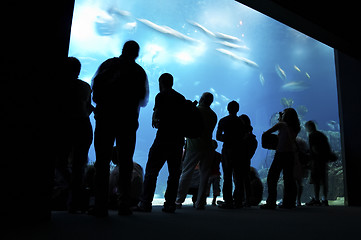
(349, 89)
(35, 42)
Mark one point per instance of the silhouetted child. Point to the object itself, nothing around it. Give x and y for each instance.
(215, 176)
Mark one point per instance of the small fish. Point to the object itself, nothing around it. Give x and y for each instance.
(261, 79)
(119, 12)
(281, 73)
(295, 67)
(308, 75)
(298, 86)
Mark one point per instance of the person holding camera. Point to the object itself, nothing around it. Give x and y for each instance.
(288, 128)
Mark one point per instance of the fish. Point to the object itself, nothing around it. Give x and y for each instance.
(227, 37)
(213, 91)
(167, 30)
(153, 25)
(233, 45)
(261, 79)
(308, 75)
(225, 99)
(295, 67)
(296, 86)
(281, 73)
(204, 29)
(239, 58)
(119, 12)
(333, 125)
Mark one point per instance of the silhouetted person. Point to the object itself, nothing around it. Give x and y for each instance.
(167, 146)
(288, 127)
(76, 134)
(120, 88)
(249, 146)
(199, 150)
(81, 132)
(231, 132)
(320, 152)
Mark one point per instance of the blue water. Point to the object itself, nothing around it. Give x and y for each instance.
(100, 29)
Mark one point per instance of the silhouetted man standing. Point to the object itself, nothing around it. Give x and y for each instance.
(167, 146)
(231, 132)
(120, 88)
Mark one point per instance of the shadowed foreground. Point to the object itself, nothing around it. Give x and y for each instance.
(213, 223)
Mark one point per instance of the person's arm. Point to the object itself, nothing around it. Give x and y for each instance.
(219, 133)
(273, 129)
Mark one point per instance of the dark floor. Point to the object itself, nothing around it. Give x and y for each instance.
(213, 223)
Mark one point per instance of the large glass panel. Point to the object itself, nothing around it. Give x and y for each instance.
(222, 47)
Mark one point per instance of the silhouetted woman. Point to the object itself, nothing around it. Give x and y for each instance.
(288, 127)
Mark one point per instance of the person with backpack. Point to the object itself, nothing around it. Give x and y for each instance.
(199, 150)
(321, 155)
(167, 146)
(231, 131)
(120, 88)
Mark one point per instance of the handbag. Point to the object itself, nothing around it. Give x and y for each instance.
(269, 141)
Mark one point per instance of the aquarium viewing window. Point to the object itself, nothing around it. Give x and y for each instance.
(219, 46)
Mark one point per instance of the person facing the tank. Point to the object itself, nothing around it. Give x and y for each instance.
(231, 131)
(167, 146)
(120, 88)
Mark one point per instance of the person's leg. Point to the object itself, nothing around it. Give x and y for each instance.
(188, 166)
(272, 180)
(103, 143)
(174, 159)
(289, 180)
(125, 141)
(82, 142)
(155, 163)
(205, 164)
(227, 178)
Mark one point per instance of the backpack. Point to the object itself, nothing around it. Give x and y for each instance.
(251, 143)
(192, 120)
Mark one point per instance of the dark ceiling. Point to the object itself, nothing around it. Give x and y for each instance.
(334, 23)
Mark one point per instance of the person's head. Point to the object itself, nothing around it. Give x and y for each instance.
(290, 116)
(72, 67)
(130, 50)
(233, 107)
(165, 81)
(310, 126)
(247, 122)
(206, 99)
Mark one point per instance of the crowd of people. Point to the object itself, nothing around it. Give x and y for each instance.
(183, 140)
